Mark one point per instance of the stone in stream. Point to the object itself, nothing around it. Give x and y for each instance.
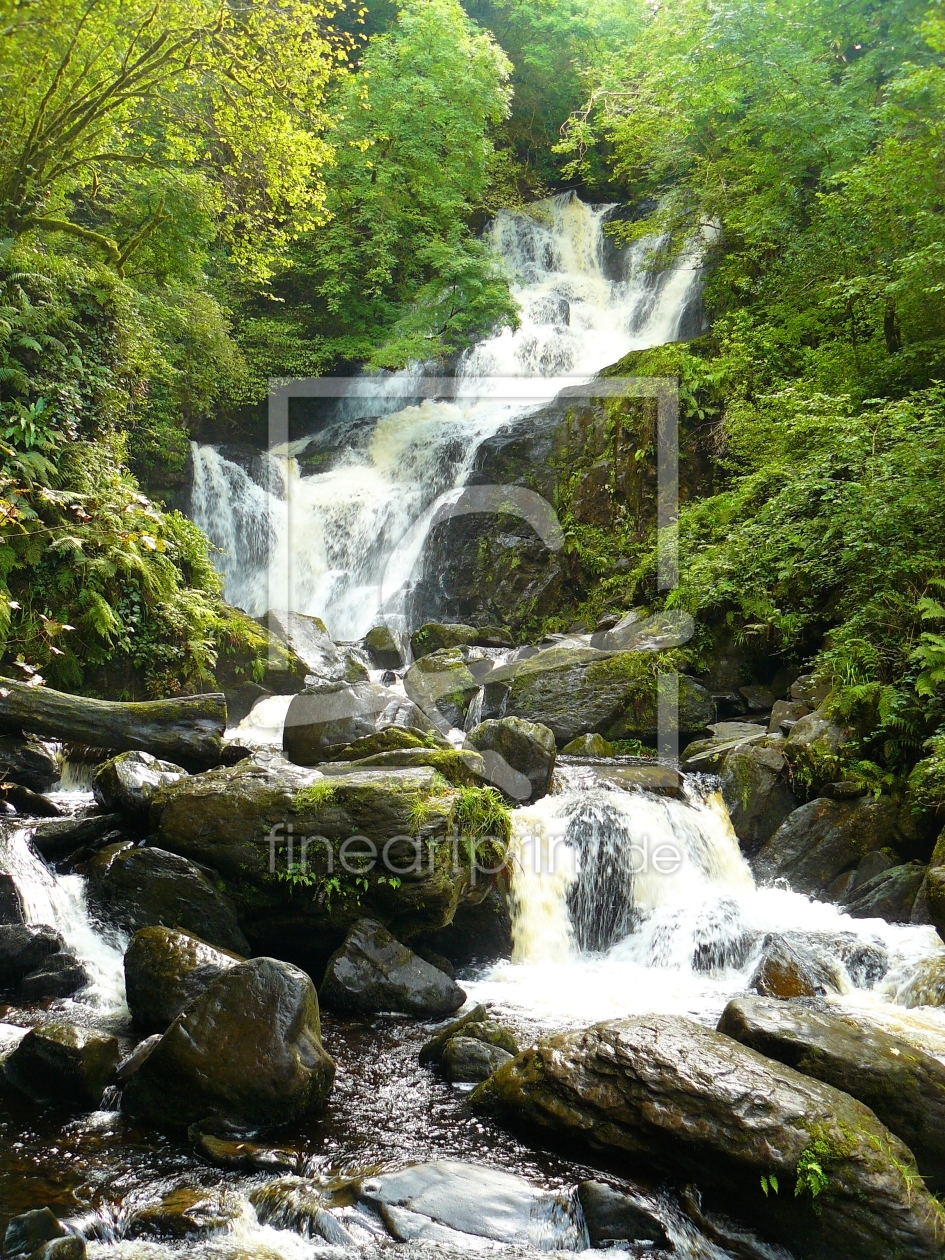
(590, 745)
(693, 1104)
(384, 648)
(442, 685)
(127, 783)
(577, 689)
(822, 839)
(11, 903)
(373, 973)
(811, 964)
(469, 1059)
(164, 969)
(448, 1201)
(614, 1216)
(28, 762)
(40, 1235)
(245, 1052)
(519, 756)
(25, 801)
(432, 1051)
(60, 837)
(328, 715)
(63, 1064)
(226, 1151)
(149, 887)
(904, 1086)
(889, 895)
(187, 1211)
(434, 636)
(59, 975)
(23, 948)
(757, 791)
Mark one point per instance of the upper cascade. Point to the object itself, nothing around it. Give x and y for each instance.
(333, 525)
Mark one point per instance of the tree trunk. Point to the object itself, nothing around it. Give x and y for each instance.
(188, 730)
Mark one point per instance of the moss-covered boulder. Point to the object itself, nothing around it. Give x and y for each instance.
(246, 1052)
(519, 756)
(252, 662)
(461, 767)
(164, 969)
(693, 1104)
(756, 787)
(573, 690)
(281, 837)
(824, 838)
(589, 745)
(384, 648)
(63, 1064)
(434, 636)
(904, 1086)
(442, 685)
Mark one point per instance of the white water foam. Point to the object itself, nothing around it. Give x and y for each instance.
(343, 544)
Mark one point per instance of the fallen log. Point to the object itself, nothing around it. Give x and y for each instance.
(187, 730)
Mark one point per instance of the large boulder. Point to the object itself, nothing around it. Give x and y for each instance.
(819, 735)
(164, 969)
(63, 1064)
(811, 964)
(448, 1202)
(890, 895)
(824, 838)
(480, 931)
(372, 973)
(904, 1086)
(384, 648)
(329, 715)
(692, 1103)
(308, 638)
(29, 763)
(756, 789)
(268, 828)
(519, 756)
(442, 685)
(245, 1052)
(127, 783)
(573, 690)
(149, 887)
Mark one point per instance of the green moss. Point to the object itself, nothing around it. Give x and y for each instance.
(315, 797)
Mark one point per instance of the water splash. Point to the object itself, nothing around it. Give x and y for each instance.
(343, 543)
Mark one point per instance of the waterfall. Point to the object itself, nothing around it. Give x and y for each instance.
(60, 902)
(338, 520)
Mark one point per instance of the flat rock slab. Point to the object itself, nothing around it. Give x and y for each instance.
(695, 1104)
(904, 1086)
(437, 1202)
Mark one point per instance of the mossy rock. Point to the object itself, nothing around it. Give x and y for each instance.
(434, 636)
(442, 686)
(592, 745)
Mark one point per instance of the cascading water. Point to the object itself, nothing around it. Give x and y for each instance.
(629, 902)
(340, 542)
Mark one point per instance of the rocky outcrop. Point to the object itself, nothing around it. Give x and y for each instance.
(259, 825)
(187, 730)
(902, 1085)
(64, 1065)
(692, 1103)
(245, 1052)
(164, 969)
(824, 838)
(373, 973)
(328, 715)
(448, 1202)
(127, 784)
(574, 690)
(151, 887)
(519, 756)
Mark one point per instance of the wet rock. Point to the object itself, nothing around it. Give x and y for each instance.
(519, 756)
(758, 699)
(384, 648)
(390, 739)
(435, 960)
(442, 685)
(372, 973)
(889, 895)
(401, 712)
(227, 1151)
(811, 964)
(297, 1204)
(709, 755)
(591, 745)
(845, 885)
(60, 837)
(480, 932)
(130, 1064)
(24, 801)
(434, 636)
(329, 715)
(614, 1216)
(904, 1086)
(447, 1200)
(246, 1051)
(11, 903)
(823, 838)
(309, 639)
(696, 1104)
(29, 763)
(60, 975)
(577, 689)
(467, 1059)
(460, 766)
(164, 969)
(24, 948)
(127, 783)
(40, 1235)
(150, 887)
(432, 1051)
(756, 789)
(63, 1064)
(187, 1211)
